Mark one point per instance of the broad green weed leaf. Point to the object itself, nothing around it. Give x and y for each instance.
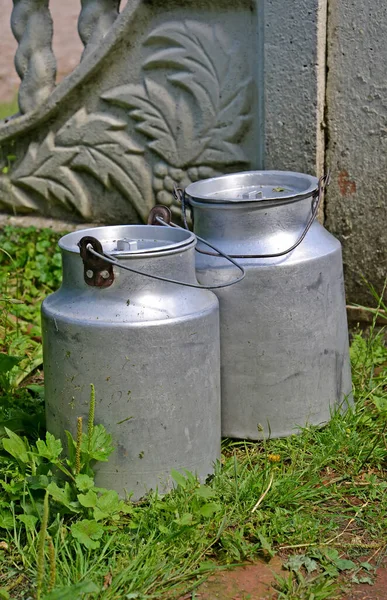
(73, 592)
(109, 505)
(15, 446)
(38, 482)
(109, 501)
(88, 500)
(126, 508)
(29, 521)
(366, 579)
(100, 515)
(344, 564)
(36, 389)
(331, 553)
(331, 570)
(310, 564)
(297, 561)
(100, 445)
(6, 520)
(13, 487)
(380, 403)
(179, 478)
(209, 509)
(62, 495)
(204, 492)
(50, 449)
(7, 362)
(84, 483)
(87, 533)
(185, 519)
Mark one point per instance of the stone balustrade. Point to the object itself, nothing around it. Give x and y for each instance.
(95, 20)
(32, 27)
(35, 63)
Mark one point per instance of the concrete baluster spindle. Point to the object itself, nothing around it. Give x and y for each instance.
(35, 62)
(95, 20)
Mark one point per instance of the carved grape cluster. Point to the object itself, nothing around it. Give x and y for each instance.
(165, 177)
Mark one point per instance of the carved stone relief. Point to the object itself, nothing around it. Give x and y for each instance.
(94, 143)
(194, 124)
(180, 122)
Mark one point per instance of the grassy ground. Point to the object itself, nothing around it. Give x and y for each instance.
(318, 499)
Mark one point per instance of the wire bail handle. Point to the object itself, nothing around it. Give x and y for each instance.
(91, 248)
(323, 182)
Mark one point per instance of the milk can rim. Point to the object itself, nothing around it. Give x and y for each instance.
(193, 189)
(183, 239)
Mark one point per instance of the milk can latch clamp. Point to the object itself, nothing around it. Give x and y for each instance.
(97, 272)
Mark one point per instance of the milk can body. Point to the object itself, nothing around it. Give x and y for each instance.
(150, 348)
(284, 338)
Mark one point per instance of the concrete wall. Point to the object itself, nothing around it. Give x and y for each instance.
(356, 150)
(294, 83)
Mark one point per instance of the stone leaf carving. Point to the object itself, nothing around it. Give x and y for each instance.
(12, 197)
(110, 155)
(167, 121)
(94, 143)
(199, 118)
(46, 169)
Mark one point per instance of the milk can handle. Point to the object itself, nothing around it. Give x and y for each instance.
(89, 242)
(316, 201)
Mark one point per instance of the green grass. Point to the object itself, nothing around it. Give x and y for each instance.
(320, 497)
(8, 109)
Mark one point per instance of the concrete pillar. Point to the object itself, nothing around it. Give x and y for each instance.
(356, 207)
(295, 49)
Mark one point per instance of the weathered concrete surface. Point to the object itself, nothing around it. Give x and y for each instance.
(294, 84)
(43, 223)
(356, 207)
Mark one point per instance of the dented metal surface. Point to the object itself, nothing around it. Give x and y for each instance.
(150, 348)
(284, 338)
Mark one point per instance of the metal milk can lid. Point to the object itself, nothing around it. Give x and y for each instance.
(254, 186)
(132, 240)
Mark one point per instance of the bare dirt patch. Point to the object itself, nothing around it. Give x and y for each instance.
(253, 582)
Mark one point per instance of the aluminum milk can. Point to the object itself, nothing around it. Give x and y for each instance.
(151, 349)
(284, 337)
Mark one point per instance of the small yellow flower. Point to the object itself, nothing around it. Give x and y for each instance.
(274, 458)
